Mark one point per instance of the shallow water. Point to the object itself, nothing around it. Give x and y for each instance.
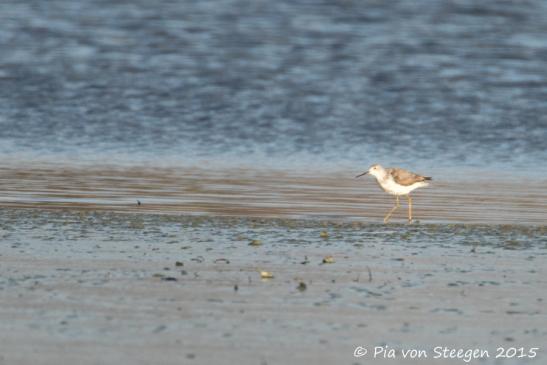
(270, 193)
(284, 84)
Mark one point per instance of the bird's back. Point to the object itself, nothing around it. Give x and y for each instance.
(405, 177)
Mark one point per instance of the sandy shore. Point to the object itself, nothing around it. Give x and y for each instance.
(469, 197)
(120, 288)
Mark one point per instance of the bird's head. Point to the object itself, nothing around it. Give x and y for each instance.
(375, 170)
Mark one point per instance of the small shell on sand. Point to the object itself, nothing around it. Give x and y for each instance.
(255, 243)
(328, 260)
(266, 275)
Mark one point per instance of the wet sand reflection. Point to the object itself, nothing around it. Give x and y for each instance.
(264, 193)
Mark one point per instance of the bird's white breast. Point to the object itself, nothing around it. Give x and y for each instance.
(390, 186)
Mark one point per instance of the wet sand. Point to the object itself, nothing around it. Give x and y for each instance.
(455, 197)
(97, 287)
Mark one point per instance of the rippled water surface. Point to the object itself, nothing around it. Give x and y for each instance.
(278, 83)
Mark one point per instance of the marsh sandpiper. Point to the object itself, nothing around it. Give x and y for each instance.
(396, 181)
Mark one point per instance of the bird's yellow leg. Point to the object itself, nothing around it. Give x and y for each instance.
(397, 205)
(409, 208)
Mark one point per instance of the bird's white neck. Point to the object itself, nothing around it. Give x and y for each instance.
(380, 175)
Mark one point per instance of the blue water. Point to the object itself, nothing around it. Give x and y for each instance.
(275, 83)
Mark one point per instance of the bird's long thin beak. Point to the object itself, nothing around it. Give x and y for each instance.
(364, 173)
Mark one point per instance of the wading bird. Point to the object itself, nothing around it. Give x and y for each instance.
(397, 182)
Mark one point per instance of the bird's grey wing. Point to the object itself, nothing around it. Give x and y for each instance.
(404, 177)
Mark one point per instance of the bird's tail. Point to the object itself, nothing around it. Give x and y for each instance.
(428, 178)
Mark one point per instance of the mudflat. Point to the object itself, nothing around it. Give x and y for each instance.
(105, 287)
